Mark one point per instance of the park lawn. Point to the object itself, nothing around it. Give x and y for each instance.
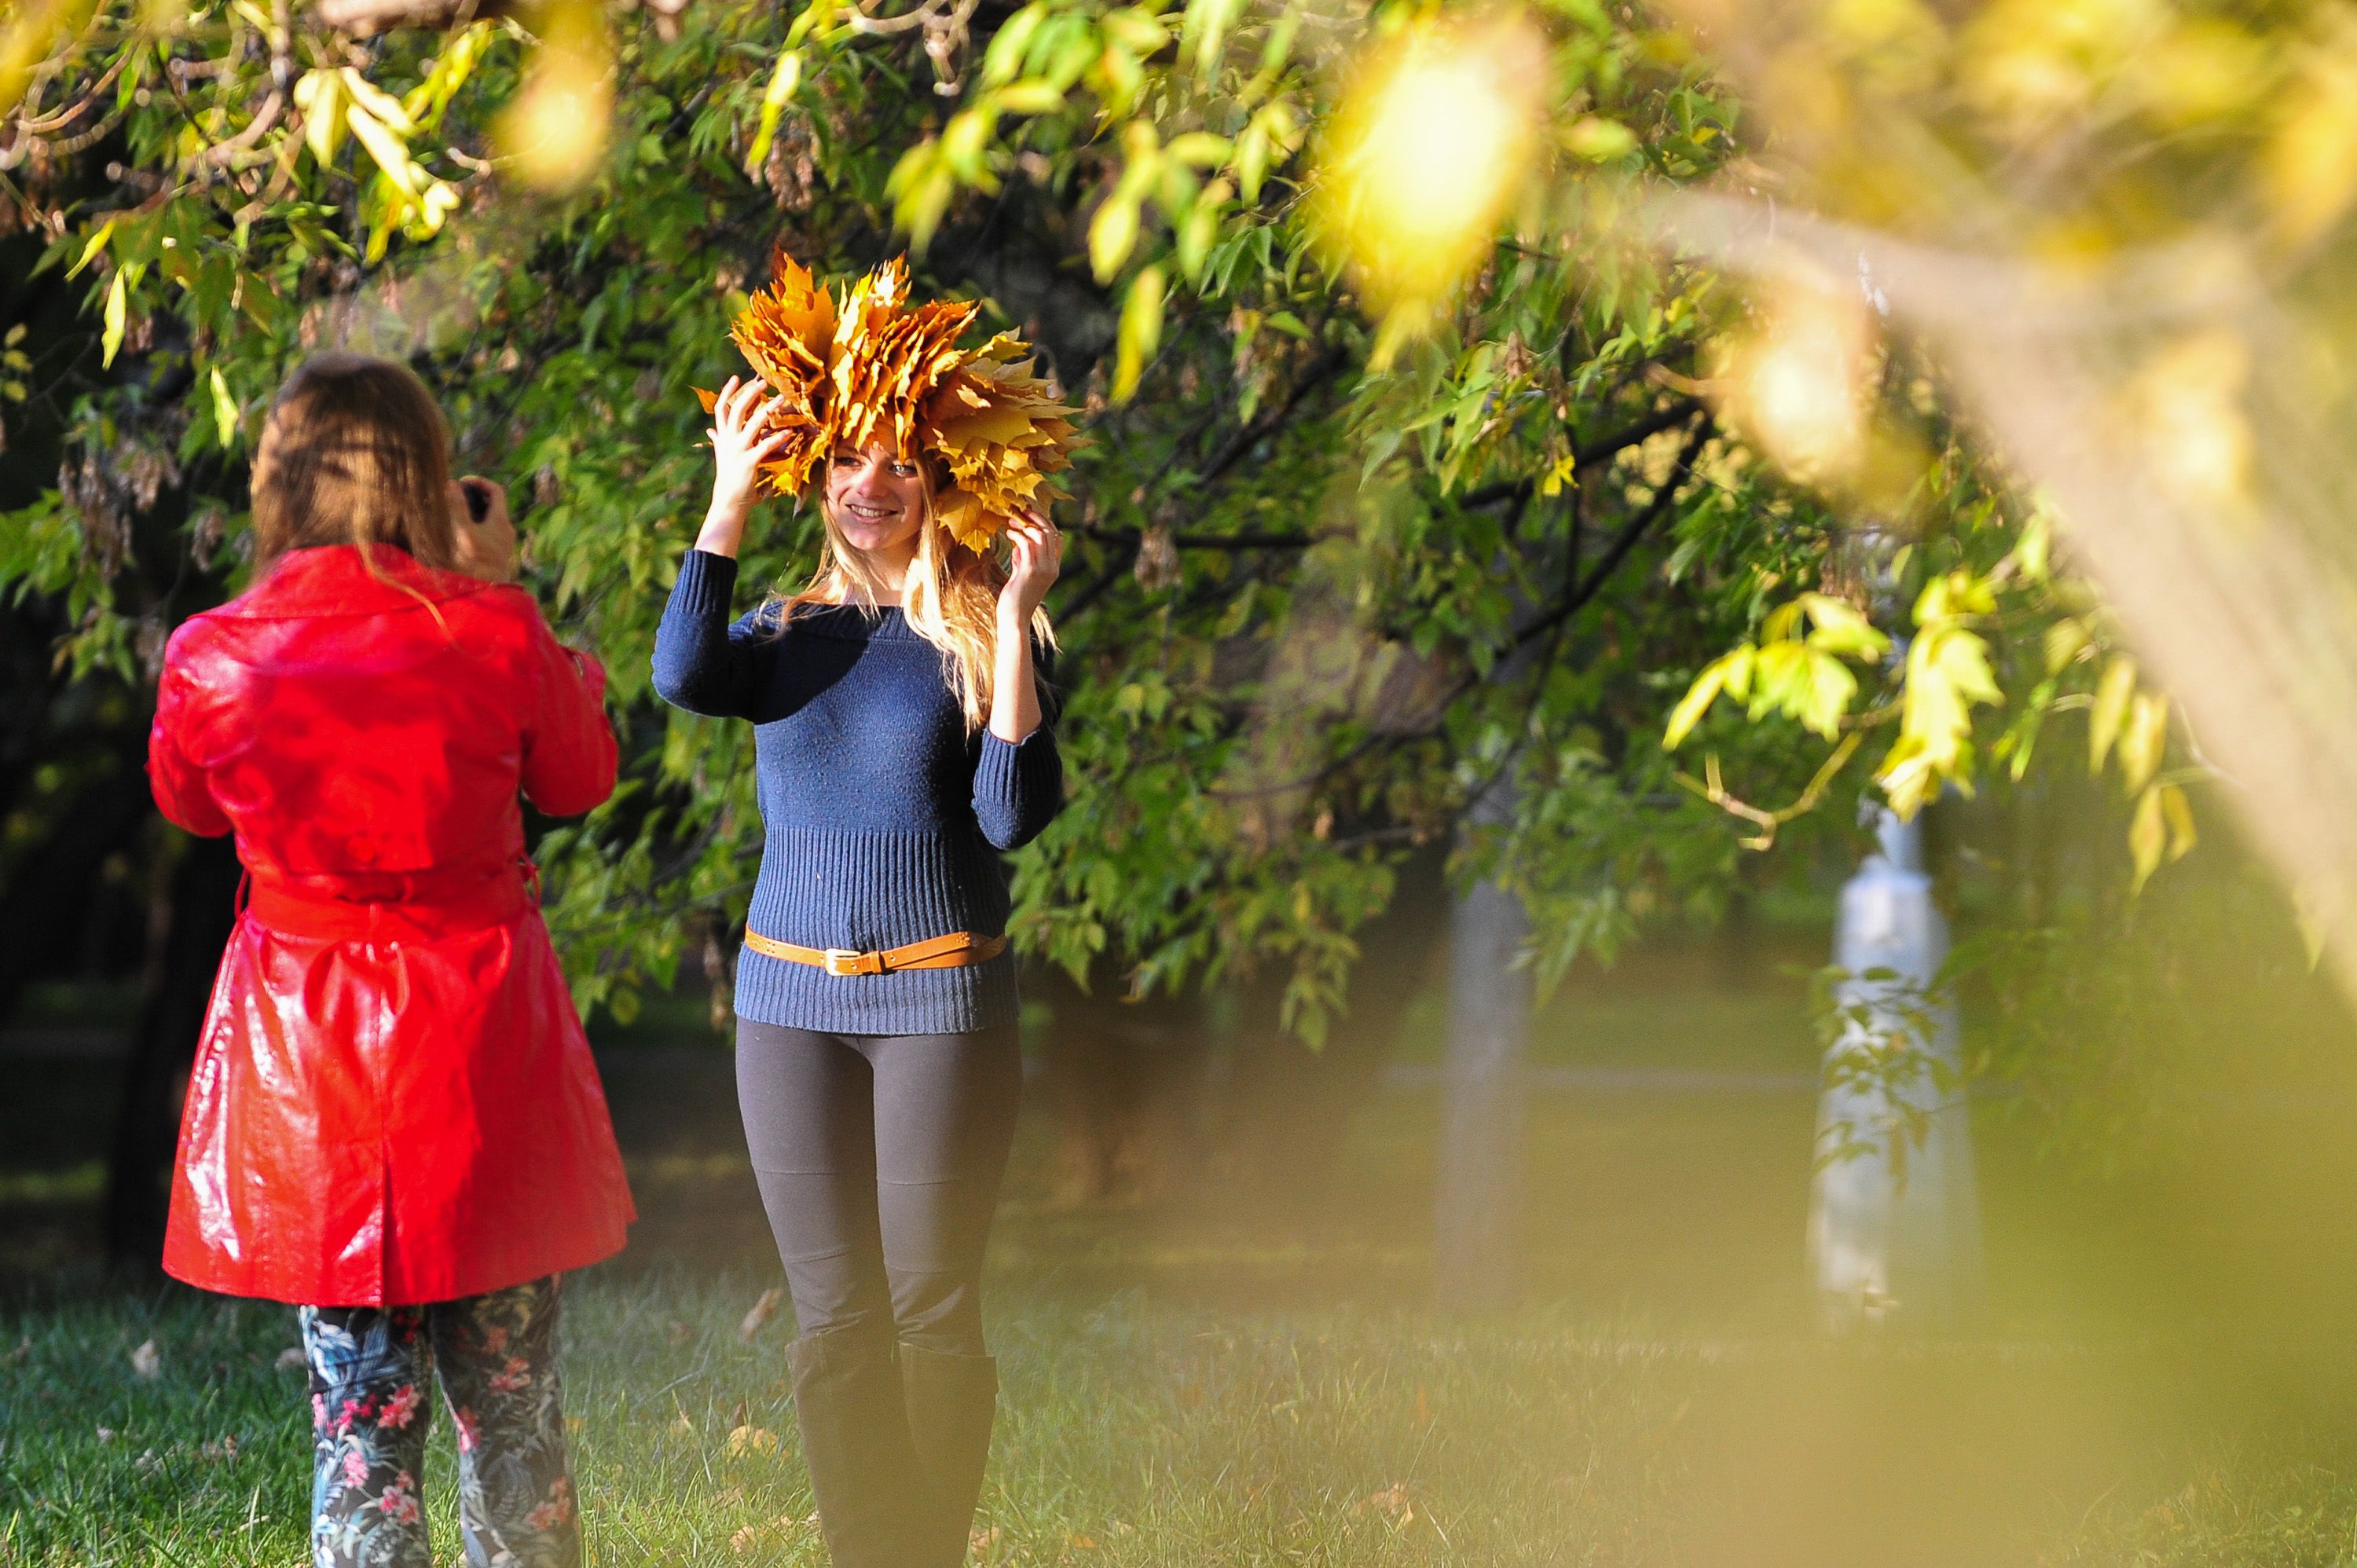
(1142, 1432)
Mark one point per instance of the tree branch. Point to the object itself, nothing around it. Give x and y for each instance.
(1586, 455)
(366, 19)
(1292, 539)
(1577, 599)
(1320, 370)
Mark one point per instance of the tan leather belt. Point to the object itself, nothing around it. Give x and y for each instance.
(956, 950)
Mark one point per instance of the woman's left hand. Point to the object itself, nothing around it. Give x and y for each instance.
(1039, 556)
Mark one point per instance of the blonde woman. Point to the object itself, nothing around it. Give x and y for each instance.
(902, 742)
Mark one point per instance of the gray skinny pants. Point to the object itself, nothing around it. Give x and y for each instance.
(880, 1159)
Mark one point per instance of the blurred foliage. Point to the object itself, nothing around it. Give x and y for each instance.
(1360, 535)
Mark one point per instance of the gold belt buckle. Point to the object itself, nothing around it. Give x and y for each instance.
(844, 962)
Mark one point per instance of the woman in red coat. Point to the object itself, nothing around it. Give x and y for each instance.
(394, 1121)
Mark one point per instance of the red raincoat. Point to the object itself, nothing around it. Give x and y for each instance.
(392, 1101)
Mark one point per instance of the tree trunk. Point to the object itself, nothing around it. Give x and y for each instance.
(1481, 1076)
(1894, 1218)
(163, 1043)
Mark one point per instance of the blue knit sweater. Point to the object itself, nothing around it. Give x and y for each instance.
(884, 816)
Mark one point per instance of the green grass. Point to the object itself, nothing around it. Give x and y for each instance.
(1234, 1367)
(1138, 1433)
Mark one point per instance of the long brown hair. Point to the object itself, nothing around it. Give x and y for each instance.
(950, 597)
(354, 452)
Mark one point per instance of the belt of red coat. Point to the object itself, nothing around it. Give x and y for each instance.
(389, 906)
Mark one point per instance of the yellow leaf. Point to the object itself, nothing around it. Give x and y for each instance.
(261, 20)
(117, 316)
(2147, 835)
(2065, 640)
(1827, 697)
(383, 105)
(783, 80)
(323, 121)
(1200, 149)
(1030, 98)
(424, 104)
(224, 408)
(744, 1440)
(964, 141)
(554, 128)
(1113, 233)
(1599, 140)
(391, 152)
(1695, 703)
(2179, 813)
(1141, 331)
(2310, 164)
(97, 243)
(815, 17)
(2143, 740)
(2113, 694)
(1842, 627)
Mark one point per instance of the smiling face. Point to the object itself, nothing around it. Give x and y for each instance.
(876, 501)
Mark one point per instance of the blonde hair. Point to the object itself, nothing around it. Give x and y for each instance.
(950, 597)
(354, 452)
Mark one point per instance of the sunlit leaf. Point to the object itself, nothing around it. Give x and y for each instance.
(2113, 692)
(1140, 332)
(2147, 835)
(2143, 739)
(224, 408)
(1430, 143)
(1113, 233)
(91, 251)
(2178, 810)
(117, 316)
(784, 77)
(556, 129)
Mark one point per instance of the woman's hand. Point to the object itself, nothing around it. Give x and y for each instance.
(1039, 556)
(486, 549)
(740, 447)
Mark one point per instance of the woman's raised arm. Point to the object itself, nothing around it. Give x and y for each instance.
(701, 663)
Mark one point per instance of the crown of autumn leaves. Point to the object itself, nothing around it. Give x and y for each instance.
(873, 370)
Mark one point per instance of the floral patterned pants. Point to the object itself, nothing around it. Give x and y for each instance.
(370, 1368)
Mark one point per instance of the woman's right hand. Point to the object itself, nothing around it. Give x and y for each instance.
(740, 447)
